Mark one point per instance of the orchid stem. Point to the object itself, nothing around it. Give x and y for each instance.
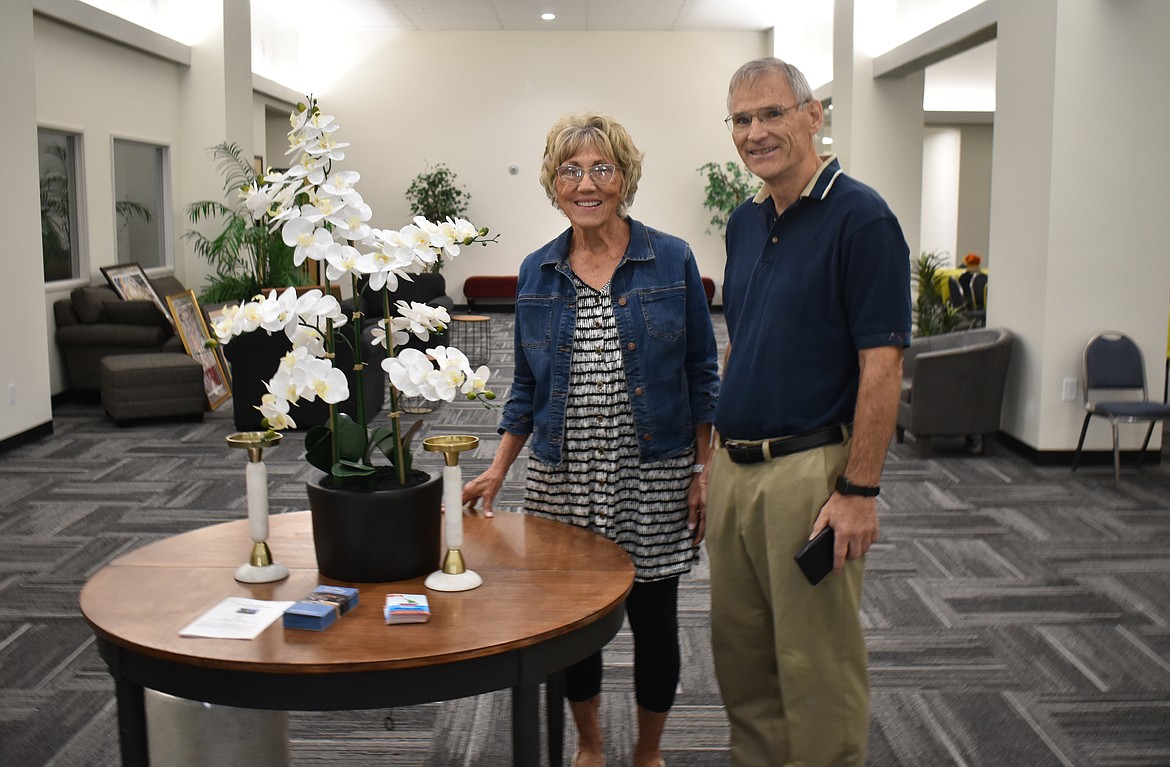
(395, 415)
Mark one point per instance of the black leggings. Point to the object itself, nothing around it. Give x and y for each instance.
(652, 609)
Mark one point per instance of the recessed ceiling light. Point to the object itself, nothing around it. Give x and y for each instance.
(548, 16)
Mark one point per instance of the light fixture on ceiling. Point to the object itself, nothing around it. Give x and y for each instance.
(548, 16)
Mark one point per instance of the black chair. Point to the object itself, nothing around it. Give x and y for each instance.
(1114, 362)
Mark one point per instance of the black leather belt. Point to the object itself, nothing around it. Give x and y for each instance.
(765, 450)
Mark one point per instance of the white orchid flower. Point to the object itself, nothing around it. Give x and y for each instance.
(351, 220)
(283, 387)
(384, 268)
(325, 381)
(398, 335)
(342, 260)
(313, 305)
(327, 205)
(423, 319)
(465, 231)
(418, 241)
(308, 240)
(278, 310)
(341, 184)
(408, 371)
(327, 148)
(445, 238)
(311, 213)
(275, 412)
(453, 370)
(476, 383)
(248, 318)
(308, 338)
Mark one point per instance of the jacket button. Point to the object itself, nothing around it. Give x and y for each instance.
(631, 346)
(775, 240)
(638, 391)
(648, 437)
(622, 301)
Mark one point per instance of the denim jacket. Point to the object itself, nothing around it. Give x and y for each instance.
(667, 344)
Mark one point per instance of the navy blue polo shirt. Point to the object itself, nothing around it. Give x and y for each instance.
(802, 292)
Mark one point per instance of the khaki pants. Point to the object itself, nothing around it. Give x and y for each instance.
(790, 658)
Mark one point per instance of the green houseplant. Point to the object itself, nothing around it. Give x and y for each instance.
(931, 313)
(370, 523)
(727, 186)
(248, 258)
(434, 195)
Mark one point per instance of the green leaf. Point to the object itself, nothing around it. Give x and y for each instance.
(319, 448)
(345, 468)
(383, 439)
(351, 439)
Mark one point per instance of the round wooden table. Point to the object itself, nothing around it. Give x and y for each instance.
(552, 595)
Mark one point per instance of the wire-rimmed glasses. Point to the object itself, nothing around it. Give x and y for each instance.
(741, 122)
(601, 173)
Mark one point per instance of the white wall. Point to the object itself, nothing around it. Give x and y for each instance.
(974, 223)
(1079, 227)
(24, 372)
(480, 102)
(941, 148)
(101, 90)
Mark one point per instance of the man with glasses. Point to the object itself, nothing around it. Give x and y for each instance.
(816, 297)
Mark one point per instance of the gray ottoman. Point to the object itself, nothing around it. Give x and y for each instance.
(154, 385)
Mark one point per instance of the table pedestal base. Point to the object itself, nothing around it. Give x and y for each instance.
(186, 733)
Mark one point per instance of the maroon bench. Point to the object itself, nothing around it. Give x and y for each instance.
(503, 286)
(478, 287)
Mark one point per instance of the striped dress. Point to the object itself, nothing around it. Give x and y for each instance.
(600, 484)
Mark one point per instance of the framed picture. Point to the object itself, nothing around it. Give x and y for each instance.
(193, 331)
(131, 284)
(212, 315)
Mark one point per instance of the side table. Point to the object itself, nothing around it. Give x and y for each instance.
(471, 334)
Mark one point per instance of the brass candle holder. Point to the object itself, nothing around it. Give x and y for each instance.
(453, 576)
(260, 567)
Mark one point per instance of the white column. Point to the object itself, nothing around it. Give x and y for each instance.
(217, 106)
(1079, 215)
(877, 124)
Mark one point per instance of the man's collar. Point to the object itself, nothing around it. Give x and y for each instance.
(818, 186)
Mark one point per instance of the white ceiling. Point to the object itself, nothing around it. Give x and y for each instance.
(965, 82)
(571, 15)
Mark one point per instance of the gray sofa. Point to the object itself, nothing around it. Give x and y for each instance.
(94, 322)
(952, 386)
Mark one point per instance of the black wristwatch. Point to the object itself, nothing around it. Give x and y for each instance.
(845, 487)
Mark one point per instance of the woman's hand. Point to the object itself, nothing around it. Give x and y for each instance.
(697, 506)
(484, 486)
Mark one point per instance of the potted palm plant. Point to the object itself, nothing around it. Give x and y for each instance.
(932, 314)
(248, 258)
(370, 522)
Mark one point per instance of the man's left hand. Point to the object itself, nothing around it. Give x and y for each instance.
(854, 521)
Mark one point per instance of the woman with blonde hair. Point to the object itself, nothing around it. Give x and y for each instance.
(615, 383)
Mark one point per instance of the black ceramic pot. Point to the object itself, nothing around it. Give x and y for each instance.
(373, 536)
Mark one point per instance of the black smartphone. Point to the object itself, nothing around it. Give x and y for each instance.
(816, 558)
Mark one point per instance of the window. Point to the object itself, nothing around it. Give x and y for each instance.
(140, 200)
(59, 160)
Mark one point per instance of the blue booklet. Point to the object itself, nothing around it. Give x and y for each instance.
(321, 608)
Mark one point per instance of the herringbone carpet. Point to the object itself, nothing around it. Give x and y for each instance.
(1016, 614)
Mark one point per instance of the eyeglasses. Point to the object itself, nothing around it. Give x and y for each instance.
(602, 173)
(741, 122)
